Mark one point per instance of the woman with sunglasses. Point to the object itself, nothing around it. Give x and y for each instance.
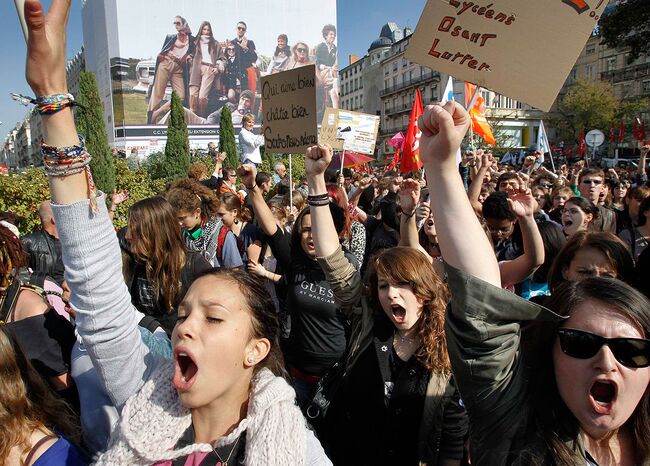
(172, 64)
(222, 398)
(561, 387)
(300, 56)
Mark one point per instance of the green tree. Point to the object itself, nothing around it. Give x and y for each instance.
(587, 105)
(90, 122)
(177, 150)
(626, 25)
(227, 142)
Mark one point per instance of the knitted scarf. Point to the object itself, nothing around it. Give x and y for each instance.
(153, 420)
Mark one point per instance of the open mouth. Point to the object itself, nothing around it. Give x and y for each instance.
(399, 313)
(568, 223)
(185, 370)
(603, 393)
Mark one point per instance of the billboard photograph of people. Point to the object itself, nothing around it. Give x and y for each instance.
(213, 55)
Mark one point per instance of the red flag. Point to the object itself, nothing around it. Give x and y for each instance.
(612, 134)
(480, 124)
(393, 164)
(642, 132)
(582, 145)
(411, 149)
(621, 132)
(636, 129)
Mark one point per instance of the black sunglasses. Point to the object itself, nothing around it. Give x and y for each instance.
(631, 352)
(301, 50)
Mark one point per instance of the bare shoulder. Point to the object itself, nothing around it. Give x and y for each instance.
(30, 304)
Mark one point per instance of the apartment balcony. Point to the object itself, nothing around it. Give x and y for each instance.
(398, 109)
(630, 73)
(433, 76)
(393, 131)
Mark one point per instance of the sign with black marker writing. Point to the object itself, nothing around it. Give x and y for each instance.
(289, 110)
(521, 49)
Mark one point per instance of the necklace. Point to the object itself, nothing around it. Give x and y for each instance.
(404, 339)
(221, 461)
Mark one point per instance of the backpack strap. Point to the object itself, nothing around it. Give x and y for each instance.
(8, 302)
(221, 239)
(149, 323)
(37, 446)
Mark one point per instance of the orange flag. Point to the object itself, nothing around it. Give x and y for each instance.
(480, 124)
(411, 148)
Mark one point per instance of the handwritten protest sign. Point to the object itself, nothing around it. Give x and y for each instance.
(289, 106)
(521, 49)
(353, 131)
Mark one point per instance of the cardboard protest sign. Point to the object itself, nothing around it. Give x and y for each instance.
(521, 49)
(289, 108)
(352, 131)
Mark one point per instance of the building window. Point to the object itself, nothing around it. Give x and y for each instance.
(572, 75)
(386, 69)
(589, 72)
(404, 62)
(645, 87)
(591, 48)
(395, 65)
(611, 64)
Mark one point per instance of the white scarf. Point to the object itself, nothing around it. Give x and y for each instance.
(153, 420)
(205, 49)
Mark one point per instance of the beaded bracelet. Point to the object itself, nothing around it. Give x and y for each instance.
(70, 160)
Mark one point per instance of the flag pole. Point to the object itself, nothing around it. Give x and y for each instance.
(290, 185)
(470, 105)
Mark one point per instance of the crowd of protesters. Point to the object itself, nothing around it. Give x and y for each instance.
(474, 313)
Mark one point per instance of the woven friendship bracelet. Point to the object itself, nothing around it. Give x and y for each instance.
(48, 109)
(42, 99)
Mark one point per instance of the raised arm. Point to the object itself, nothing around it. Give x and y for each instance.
(523, 205)
(463, 242)
(409, 195)
(263, 214)
(477, 182)
(343, 277)
(106, 319)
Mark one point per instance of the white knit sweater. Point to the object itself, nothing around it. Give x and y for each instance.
(140, 382)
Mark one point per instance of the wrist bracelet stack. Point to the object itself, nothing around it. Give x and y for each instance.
(410, 214)
(66, 161)
(318, 199)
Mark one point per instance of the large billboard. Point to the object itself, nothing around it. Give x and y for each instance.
(213, 53)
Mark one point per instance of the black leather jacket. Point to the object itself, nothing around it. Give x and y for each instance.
(44, 254)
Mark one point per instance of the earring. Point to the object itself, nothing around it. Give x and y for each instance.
(236, 221)
(250, 360)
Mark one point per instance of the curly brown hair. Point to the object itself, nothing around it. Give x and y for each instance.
(12, 256)
(26, 401)
(188, 195)
(408, 265)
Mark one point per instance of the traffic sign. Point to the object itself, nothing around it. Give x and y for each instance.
(595, 138)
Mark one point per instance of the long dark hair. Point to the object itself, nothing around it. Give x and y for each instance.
(212, 43)
(338, 215)
(156, 241)
(552, 418)
(408, 265)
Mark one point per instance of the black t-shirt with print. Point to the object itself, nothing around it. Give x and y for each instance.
(318, 336)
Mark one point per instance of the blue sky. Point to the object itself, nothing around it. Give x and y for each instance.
(359, 23)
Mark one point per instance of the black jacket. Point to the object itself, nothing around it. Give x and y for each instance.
(44, 254)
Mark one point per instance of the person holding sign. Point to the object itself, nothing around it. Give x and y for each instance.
(566, 385)
(223, 397)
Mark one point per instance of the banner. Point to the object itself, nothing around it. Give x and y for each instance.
(289, 102)
(521, 49)
(212, 53)
(352, 131)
